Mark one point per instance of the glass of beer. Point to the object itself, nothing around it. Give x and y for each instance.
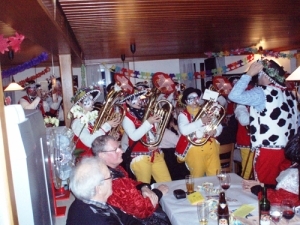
(203, 212)
(189, 181)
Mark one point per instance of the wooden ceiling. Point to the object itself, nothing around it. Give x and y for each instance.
(161, 29)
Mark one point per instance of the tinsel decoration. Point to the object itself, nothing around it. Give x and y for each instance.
(83, 84)
(27, 65)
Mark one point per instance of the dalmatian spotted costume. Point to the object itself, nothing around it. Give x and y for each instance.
(273, 120)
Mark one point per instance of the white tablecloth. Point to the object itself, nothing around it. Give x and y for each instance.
(181, 212)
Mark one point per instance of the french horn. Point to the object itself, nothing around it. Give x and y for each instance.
(111, 108)
(212, 109)
(162, 83)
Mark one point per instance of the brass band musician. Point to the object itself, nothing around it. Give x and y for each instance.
(147, 161)
(200, 160)
(84, 116)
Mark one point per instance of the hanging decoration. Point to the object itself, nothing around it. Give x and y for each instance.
(33, 77)
(184, 76)
(83, 83)
(27, 65)
(243, 51)
(12, 42)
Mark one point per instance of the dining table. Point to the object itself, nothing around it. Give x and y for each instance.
(182, 212)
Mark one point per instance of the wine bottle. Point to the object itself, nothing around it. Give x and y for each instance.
(223, 211)
(264, 208)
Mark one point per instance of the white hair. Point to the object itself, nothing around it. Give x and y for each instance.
(86, 176)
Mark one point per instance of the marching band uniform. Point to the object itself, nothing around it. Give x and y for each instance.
(146, 161)
(84, 118)
(200, 160)
(33, 101)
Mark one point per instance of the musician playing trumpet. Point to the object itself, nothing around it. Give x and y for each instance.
(204, 159)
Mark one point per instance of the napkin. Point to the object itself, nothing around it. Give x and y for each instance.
(243, 211)
(195, 197)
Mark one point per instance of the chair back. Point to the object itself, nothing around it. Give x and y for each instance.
(226, 154)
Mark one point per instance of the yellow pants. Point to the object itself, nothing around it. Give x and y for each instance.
(143, 168)
(204, 160)
(246, 169)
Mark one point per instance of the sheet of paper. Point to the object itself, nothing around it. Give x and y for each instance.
(210, 95)
(244, 210)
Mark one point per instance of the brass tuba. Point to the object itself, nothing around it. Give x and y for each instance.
(162, 83)
(213, 109)
(111, 108)
(216, 112)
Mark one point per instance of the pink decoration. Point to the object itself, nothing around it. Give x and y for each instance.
(3, 44)
(16, 41)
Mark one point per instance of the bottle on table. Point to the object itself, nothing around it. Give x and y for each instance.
(264, 208)
(223, 211)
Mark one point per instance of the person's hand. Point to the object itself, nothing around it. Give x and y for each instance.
(205, 120)
(39, 92)
(163, 188)
(114, 122)
(154, 119)
(212, 133)
(147, 193)
(255, 68)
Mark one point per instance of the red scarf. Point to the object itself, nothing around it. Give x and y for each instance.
(128, 198)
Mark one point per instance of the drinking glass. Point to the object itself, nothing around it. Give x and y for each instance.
(203, 212)
(220, 173)
(287, 208)
(275, 212)
(225, 181)
(189, 182)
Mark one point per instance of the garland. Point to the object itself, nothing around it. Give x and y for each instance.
(186, 76)
(27, 65)
(241, 51)
(34, 77)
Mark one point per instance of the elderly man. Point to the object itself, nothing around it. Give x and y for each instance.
(91, 184)
(132, 197)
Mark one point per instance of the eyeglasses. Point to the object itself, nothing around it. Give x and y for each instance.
(115, 150)
(192, 100)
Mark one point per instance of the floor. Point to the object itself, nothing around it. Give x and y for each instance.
(61, 220)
